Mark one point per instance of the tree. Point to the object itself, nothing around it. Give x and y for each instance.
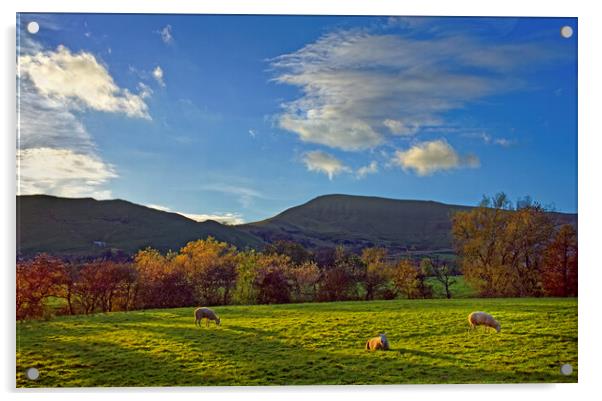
(271, 279)
(305, 279)
(376, 270)
(37, 280)
(405, 278)
(295, 251)
(501, 248)
(339, 281)
(161, 282)
(211, 269)
(560, 263)
(441, 271)
(246, 270)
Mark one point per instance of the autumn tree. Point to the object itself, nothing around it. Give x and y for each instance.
(37, 281)
(305, 278)
(377, 270)
(161, 282)
(405, 278)
(559, 275)
(500, 248)
(340, 281)
(272, 280)
(211, 269)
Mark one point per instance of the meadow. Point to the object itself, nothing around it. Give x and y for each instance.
(303, 344)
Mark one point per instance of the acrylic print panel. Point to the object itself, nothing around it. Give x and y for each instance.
(295, 200)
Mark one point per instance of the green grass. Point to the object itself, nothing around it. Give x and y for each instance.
(305, 344)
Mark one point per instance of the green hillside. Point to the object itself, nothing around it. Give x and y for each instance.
(66, 226)
(70, 227)
(361, 221)
(317, 343)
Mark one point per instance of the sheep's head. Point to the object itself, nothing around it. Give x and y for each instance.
(218, 321)
(498, 327)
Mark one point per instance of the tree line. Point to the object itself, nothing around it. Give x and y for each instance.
(210, 272)
(503, 250)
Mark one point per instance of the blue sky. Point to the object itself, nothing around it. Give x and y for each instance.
(237, 118)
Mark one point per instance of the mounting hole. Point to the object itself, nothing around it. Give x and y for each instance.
(32, 373)
(33, 27)
(566, 31)
(566, 369)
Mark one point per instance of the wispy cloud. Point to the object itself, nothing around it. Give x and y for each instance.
(223, 218)
(325, 163)
(245, 195)
(427, 158)
(504, 142)
(360, 89)
(166, 35)
(488, 139)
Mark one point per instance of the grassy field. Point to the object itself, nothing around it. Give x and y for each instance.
(305, 344)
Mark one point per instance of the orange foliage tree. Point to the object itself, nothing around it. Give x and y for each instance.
(38, 280)
(560, 264)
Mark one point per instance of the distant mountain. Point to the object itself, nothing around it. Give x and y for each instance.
(87, 227)
(360, 221)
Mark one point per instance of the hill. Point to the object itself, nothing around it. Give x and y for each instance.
(87, 227)
(361, 221)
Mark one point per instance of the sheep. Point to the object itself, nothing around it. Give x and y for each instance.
(205, 313)
(483, 319)
(376, 343)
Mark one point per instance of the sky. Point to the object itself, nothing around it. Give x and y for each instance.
(237, 118)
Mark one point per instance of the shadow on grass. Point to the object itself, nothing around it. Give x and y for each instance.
(273, 361)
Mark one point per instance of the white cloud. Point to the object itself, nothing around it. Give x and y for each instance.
(166, 35)
(400, 127)
(158, 75)
(62, 172)
(324, 163)
(223, 218)
(80, 80)
(427, 158)
(362, 172)
(55, 153)
(358, 89)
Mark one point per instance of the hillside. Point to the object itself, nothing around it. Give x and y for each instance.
(70, 227)
(360, 221)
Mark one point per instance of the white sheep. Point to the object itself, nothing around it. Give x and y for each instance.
(376, 343)
(483, 319)
(205, 313)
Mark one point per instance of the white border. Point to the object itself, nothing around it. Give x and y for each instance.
(590, 201)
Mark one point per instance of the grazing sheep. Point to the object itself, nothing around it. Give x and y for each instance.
(205, 313)
(483, 319)
(379, 342)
